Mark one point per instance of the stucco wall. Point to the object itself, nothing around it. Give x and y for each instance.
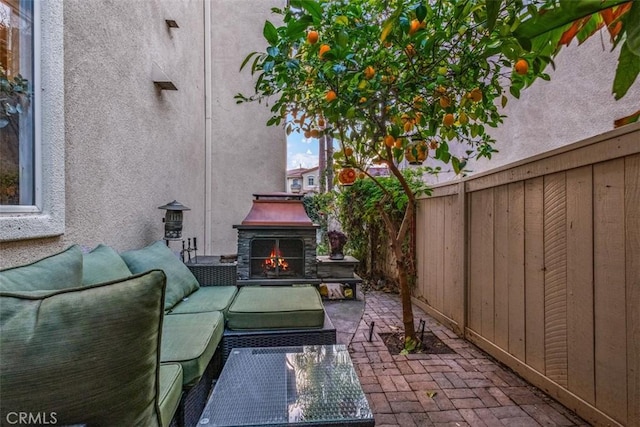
(131, 148)
(246, 153)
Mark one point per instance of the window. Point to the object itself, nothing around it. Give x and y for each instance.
(311, 181)
(17, 136)
(32, 204)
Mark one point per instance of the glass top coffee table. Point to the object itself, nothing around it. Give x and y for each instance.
(284, 386)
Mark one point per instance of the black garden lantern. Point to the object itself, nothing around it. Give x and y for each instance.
(173, 220)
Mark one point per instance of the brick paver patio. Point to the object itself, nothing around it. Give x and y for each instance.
(465, 388)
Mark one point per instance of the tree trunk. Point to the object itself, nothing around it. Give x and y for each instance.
(405, 296)
(322, 163)
(329, 157)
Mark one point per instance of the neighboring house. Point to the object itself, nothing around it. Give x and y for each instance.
(302, 180)
(110, 146)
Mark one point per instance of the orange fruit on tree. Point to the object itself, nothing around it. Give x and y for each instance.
(417, 101)
(363, 100)
(463, 118)
(408, 126)
(321, 122)
(369, 72)
(312, 37)
(475, 95)
(323, 49)
(445, 101)
(307, 134)
(362, 175)
(315, 133)
(448, 119)
(522, 66)
(414, 27)
(398, 143)
(348, 151)
(330, 96)
(410, 50)
(389, 140)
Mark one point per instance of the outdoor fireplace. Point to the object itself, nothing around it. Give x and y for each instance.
(277, 242)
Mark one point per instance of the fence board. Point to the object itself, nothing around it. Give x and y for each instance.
(421, 225)
(580, 283)
(534, 273)
(481, 263)
(555, 278)
(609, 289)
(501, 266)
(449, 244)
(516, 270)
(456, 255)
(431, 261)
(438, 247)
(632, 249)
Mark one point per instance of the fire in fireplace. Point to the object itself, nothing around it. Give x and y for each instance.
(275, 262)
(276, 241)
(280, 257)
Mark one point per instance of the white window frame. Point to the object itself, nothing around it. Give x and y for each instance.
(47, 217)
(311, 180)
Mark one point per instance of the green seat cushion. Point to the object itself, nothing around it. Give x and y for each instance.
(276, 307)
(89, 354)
(170, 391)
(103, 264)
(60, 271)
(191, 339)
(207, 298)
(180, 281)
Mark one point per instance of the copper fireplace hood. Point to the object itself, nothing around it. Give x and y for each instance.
(277, 209)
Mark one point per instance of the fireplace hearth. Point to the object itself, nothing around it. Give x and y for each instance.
(277, 242)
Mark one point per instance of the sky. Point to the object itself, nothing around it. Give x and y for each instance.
(301, 151)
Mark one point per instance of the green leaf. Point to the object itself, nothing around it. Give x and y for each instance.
(493, 9)
(555, 19)
(314, 9)
(342, 38)
(270, 33)
(387, 27)
(247, 59)
(514, 91)
(632, 26)
(296, 29)
(421, 12)
(342, 20)
(456, 164)
(627, 71)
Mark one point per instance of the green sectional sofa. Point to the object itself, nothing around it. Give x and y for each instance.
(132, 338)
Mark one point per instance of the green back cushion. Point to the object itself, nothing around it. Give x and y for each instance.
(276, 307)
(180, 281)
(103, 264)
(59, 271)
(89, 354)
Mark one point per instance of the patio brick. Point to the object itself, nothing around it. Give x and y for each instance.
(445, 416)
(464, 388)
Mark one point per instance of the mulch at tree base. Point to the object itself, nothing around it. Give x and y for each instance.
(431, 344)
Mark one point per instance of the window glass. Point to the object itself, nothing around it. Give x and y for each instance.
(311, 180)
(17, 142)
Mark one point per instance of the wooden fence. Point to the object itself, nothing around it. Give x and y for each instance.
(538, 263)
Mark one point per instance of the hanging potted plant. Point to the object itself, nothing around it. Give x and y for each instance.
(417, 152)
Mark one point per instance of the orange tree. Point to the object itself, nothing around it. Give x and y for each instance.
(396, 80)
